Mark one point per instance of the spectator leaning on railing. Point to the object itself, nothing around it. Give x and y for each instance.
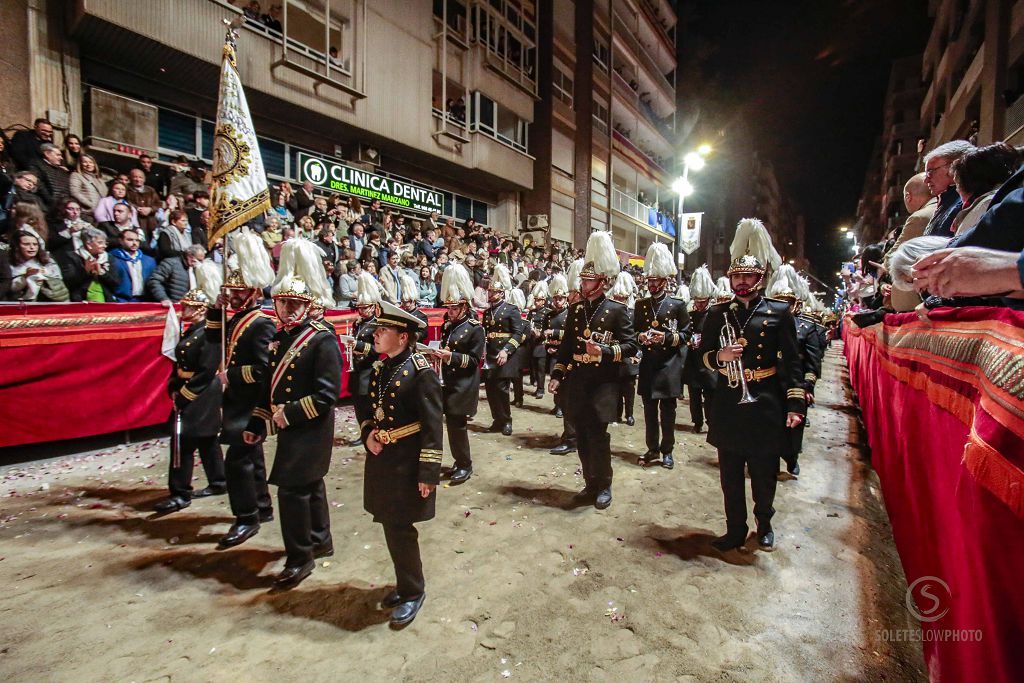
(940, 183)
(971, 271)
(87, 272)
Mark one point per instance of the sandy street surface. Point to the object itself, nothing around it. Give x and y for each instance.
(518, 586)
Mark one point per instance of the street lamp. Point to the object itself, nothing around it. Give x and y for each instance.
(843, 229)
(692, 161)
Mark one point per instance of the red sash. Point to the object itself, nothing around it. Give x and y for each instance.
(236, 334)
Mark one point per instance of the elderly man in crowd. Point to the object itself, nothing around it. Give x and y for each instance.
(54, 177)
(132, 266)
(921, 207)
(175, 276)
(939, 178)
(145, 200)
(87, 272)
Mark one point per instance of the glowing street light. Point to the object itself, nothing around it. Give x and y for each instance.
(843, 229)
(694, 161)
(683, 187)
(704, 150)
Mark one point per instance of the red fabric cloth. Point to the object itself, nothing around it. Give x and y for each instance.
(69, 371)
(923, 406)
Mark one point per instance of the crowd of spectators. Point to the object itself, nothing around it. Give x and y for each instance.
(73, 231)
(966, 213)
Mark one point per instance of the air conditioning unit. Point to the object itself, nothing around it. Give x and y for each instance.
(537, 222)
(368, 154)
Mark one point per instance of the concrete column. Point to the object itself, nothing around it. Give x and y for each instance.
(993, 75)
(15, 61)
(584, 105)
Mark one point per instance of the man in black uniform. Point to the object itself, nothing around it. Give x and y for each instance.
(196, 393)
(761, 355)
(297, 403)
(505, 330)
(538, 320)
(367, 303)
(624, 291)
(560, 297)
(462, 347)
(246, 356)
(598, 337)
(410, 305)
(700, 382)
(403, 443)
(662, 325)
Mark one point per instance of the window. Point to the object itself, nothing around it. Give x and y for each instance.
(601, 53)
(463, 207)
(273, 154)
(488, 117)
(481, 213)
(600, 117)
(207, 129)
(562, 84)
(176, 132)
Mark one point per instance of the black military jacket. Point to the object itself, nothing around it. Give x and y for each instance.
(661, 367)
(772, 361)
(423, 332)
(305, 378)
(406, 400)
(809, 341)
(557, 326)
(194, 378)
(695, 373)
(362, 368)
(506, 330)
(248, 335)
(465, 339)
(595, 380)
(539, 319)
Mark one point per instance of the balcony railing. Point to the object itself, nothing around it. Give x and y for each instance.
(633, 148)
(639, 212)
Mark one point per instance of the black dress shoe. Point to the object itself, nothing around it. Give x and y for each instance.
(630, 421)
(266, 515)
(726, 543)
(406, 611)
(461, 475)
(538, 394)
(209, 491)
(562, 449)
(558, 413)
(517, 404)
(507, 429)
(647, 458)
(325, 550)
(495, 427)
(604, 499)
(585, 497)
(667, 461)
(293, 576)
(238, 534)
(793, 467)
(172, 504)
(392, 599)
(766, 540)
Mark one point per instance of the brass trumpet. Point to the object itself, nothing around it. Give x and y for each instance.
(350, 346)
(735, 372)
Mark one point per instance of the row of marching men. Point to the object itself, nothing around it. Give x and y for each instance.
(241, 375)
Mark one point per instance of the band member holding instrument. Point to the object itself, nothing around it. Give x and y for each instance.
(624, 291)
(462, 347)
(700, 382)
(598, 338)
(561, 296)
(403, 463)
(538, 320)
(367, 303)
(504, 326)
(662, 325)
(521, 357)
(751, 343)
(297, 403)
(246, 357)
(196, 393)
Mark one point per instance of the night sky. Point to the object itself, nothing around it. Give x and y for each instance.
(810, 78)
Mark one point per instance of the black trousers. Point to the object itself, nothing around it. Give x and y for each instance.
(179, 479)
(660, 424)
(627, 395)
(796, 437)
(497, 399)
(594, 448)
(458, 440)
(698, 399)
(403, 544)
(517, 387)
(539, 368)
(764, 469)
(305, 520)
(568, 426)
(247, 482)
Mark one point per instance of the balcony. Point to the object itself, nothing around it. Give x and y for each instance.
(636, 211)
(646, 67)
(643, 112)
(639, 157)
(507, 42)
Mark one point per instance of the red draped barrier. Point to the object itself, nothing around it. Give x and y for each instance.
(943, 404)
(69, 371)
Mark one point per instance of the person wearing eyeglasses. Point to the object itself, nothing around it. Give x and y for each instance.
(939, 178)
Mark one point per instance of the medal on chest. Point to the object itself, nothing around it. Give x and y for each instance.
(378, 414)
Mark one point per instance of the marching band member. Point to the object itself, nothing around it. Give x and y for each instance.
(504, 326)
(297, 403)
(462, 347)
(403, 443)
(700, 382)
(367, 303)
(517, 298)
(560, 298)
(196, 393)
(598, 337)
(751, 343)
(538, 320)
(246, 357)
(662, 325)
(410, 304)
(624, 291)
